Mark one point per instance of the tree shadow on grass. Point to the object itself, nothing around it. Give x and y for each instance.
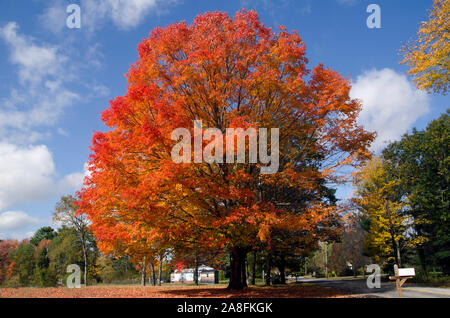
(287, 291)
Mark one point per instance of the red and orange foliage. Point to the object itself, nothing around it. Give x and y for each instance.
(6, 247)
(226, 72)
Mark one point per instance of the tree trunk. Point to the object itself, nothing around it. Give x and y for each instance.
(253, 273)
(196, 270)
(160, 270)
(281, 268)
(306, 266)
(153, 274)
(397, 248)
(423, 261)
(268, 268)
(83, 245)
(395, 245)
(236, 259)
(244, 270)
(143, 272)
(263, 276)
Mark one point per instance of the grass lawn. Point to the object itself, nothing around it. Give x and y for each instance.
(173, 291)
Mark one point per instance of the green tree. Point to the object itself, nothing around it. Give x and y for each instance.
(110, 269)
(66, 249)
(66, 213)
(44, 275)
(420, 161)
(44, 233)
(23, 263)
(317, 260)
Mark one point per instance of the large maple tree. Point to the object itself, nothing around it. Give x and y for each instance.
(226, 72)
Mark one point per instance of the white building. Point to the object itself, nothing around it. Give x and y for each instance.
(206, 275)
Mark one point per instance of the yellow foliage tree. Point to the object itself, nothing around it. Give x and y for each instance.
(387, 223)
(428, 55)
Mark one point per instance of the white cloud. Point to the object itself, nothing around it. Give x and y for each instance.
(74, 180)
(62, 132)
(41, 96)
(35, 62)
(16, 235)
(391, 104)
(35, 103)
(99, 90)
(29, 234)
(28, 174)
(94, 55)
(125, 14)
(16, 220)
(54, 17)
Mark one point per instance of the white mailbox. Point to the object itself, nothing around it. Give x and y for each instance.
(404, 272)
(401, 275)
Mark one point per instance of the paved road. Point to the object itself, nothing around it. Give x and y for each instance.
(359, 287)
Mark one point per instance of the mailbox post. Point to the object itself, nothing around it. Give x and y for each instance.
(401, 275)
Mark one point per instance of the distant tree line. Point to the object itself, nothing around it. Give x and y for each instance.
(42, 260)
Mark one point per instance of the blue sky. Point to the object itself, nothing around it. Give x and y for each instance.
(55, 81)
